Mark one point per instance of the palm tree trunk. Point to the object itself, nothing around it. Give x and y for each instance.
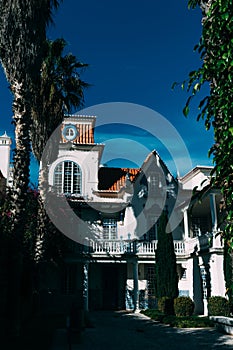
(22, 120)
(19, 196)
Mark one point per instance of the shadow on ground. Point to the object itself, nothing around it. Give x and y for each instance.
(128, 331)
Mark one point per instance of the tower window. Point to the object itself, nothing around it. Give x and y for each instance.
(67, 178)
(109, 229)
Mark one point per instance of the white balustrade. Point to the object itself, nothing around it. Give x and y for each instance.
(123, 247)
(198, 243)
(119, 247)
(179, 247)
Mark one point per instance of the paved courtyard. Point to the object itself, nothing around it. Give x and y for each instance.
(128, 331)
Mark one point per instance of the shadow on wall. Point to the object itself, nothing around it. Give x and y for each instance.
(201, 282)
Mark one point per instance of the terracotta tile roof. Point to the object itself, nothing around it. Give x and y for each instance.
(86, 134)
(113, 179)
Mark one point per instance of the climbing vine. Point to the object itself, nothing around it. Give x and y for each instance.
(216, 109)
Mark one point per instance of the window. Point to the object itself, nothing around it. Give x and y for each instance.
(152, 233)
(199, 225)
(184, 275)
(109, 229)
(152, 228)
(67, 178)
(154, 182)
(150, 275)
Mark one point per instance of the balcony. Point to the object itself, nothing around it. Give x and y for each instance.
(199, 243)
(111, 248)
(120, 247)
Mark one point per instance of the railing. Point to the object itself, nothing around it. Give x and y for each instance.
(179, 247)
(198, 243)
(130, 247)
(124, 247)
(112, 247)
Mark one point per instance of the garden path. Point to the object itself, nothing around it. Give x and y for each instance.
(133, 331)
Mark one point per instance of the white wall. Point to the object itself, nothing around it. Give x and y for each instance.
(88, 162)
(5, 144)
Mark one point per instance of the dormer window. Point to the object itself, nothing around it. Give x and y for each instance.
(67, 178)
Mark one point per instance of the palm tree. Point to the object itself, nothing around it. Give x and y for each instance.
(60, 90)
(22, 37)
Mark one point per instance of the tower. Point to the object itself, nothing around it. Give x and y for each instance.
(5, 148)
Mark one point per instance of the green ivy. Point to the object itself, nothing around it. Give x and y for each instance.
(216, 52)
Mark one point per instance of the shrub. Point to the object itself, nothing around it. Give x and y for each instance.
(183, 306)
(179, 322)
(168, 319)
(191, 322)
(165, 305)
(154, 314)
(218, 306)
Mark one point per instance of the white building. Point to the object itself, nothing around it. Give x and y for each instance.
(5, 149)
(121, 208)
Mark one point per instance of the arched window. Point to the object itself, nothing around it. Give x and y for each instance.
(68, 178)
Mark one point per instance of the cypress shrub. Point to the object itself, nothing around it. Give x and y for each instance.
(165, 305)
(218, 306)
(228, 272)
(166, 278)
(183, 306)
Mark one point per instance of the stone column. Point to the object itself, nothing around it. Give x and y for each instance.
(213, 212)
(203, 274)
(217, 275)
(85, 286)
(216, 239)
(136, 291)
(186, 224)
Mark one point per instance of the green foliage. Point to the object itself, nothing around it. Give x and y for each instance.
(29, 220)
(191, 322)
(59, 90)
(183, 306)
(216, 51)
(228, 272)
(154, 314)
(177, 321)
(165, 305)
(218, 306)
(166, 278)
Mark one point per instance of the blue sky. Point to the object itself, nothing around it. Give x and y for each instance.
(135, 51)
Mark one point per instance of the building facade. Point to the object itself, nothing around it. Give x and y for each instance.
(5, 169)
(110, 258)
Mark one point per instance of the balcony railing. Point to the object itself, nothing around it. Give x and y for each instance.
(130, 247)
(124, 247)
(198, 243)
